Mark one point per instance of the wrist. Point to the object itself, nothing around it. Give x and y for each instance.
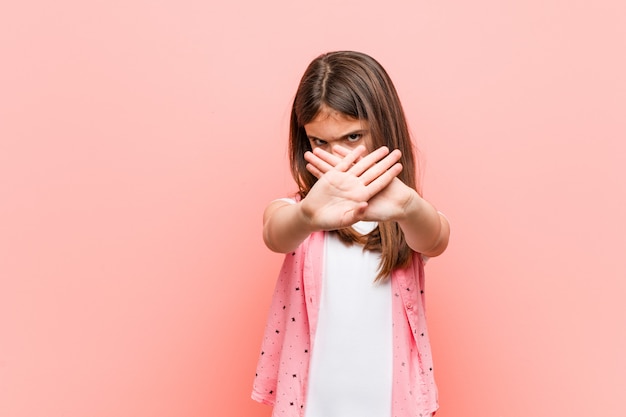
(411, 207)
(305, 215)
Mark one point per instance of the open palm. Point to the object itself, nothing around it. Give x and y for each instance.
(351, 188)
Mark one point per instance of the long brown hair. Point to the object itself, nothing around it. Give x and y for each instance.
(356, 85)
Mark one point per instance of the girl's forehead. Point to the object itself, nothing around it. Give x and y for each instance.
(336, 120)
(327, 113)
(334, 125)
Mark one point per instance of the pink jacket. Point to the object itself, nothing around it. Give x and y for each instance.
(282, 371)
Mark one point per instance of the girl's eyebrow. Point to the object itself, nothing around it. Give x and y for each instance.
(345, 135)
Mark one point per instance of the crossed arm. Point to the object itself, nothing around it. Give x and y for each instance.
(352, 187)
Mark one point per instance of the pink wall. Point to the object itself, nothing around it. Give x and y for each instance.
(140, 141)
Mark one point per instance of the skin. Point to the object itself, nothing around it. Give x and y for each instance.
(354, 183)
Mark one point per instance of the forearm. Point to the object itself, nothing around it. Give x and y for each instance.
(425, 229)
(285, 226)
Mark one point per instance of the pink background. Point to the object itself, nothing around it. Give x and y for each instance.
(141, 140)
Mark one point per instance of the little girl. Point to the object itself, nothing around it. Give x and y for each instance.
(346, 334)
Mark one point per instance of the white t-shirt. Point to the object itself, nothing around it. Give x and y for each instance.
(351, 364)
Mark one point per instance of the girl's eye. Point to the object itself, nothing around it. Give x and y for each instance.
(319, 142)
(354, 137)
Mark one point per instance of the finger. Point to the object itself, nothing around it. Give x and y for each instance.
(372, 160)
(383, 180)
(327, 157)
(360, 210)
(355, 214)
(378, 168)
(313, 170)
(341, 163)
(367, 161)
(321, 165)
(348, 160)
(342, 151)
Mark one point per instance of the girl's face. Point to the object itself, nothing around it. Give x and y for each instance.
(331, 127)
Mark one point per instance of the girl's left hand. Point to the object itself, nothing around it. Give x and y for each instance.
(388, 204)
